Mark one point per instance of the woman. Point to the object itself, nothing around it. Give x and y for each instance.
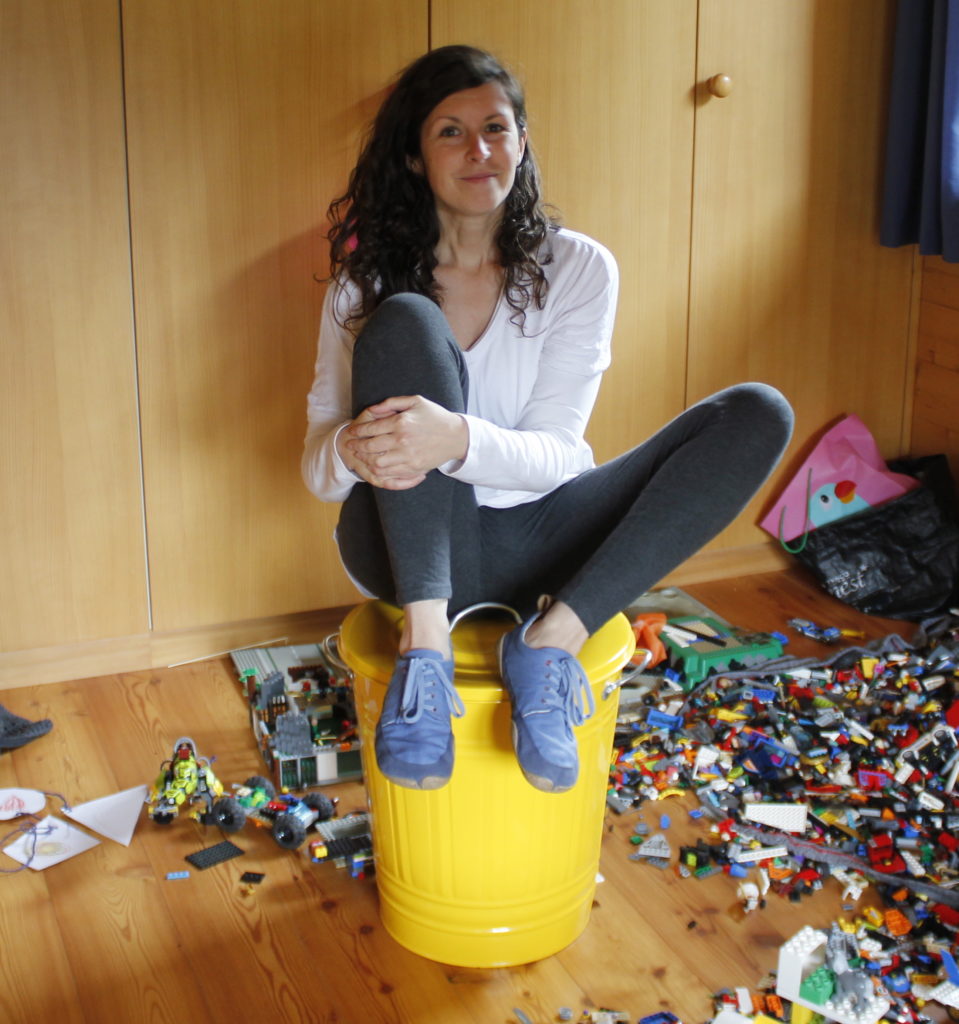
(461, 348)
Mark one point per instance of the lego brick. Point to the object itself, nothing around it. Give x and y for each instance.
(212, 855)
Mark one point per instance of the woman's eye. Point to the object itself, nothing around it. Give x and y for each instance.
(448, 131)
(496, 127)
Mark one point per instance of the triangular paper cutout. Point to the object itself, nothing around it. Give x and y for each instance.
(113, 816)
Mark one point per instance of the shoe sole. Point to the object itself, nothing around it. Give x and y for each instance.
(430, 782)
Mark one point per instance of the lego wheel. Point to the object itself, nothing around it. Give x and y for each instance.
(289, 831)
(260, 782)
(323, 805)
(162, 817)
(226, 813)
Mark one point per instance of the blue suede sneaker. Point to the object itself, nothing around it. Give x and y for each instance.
(414, 740)
(546, 686)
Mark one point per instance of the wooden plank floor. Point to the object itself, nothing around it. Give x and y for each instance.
(105, 937)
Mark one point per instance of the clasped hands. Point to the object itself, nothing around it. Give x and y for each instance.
(396, 442)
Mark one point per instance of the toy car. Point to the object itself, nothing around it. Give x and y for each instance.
(297, 815)
(287, 816)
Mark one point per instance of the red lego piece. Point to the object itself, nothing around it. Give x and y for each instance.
(950, 842)
(952, 715)
(948, 915)
(883, 855)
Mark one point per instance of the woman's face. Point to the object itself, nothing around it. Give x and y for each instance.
(471, 147)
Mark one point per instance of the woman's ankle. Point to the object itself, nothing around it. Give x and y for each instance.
(558, 626)
(426, 625)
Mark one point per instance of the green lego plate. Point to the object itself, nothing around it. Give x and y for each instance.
(710, 647)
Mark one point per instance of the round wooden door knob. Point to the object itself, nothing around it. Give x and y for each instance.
(720, 85)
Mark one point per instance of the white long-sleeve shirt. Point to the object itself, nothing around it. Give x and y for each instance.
(531, 391)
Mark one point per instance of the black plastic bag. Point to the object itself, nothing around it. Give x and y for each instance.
(899, 559)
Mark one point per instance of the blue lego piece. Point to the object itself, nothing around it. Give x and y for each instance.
(660, 720)
(949, 962)
(664, 1017)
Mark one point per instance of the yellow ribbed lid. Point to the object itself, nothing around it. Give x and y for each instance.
(368, 637)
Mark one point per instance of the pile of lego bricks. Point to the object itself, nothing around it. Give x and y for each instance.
(845, 767)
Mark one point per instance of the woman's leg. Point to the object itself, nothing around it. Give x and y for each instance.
(400, 544)
(601, 540)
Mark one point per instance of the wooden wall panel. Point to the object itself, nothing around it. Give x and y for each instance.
(789, 283)
(935, 421)
(72, 554)
(243, 123)
(609, 93)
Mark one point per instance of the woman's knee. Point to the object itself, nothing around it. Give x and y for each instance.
(407, 348)
(405, 320)
(762, 409)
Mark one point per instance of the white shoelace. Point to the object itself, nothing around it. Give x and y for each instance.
(424, 676)
(566, 685)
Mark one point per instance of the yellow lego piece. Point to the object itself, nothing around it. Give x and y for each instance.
(726, 715)
(868, 667)
(873, 916)
(801, 1014)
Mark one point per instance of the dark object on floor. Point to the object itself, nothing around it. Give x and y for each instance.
(899, 559)
(204, 859)
(16, 731)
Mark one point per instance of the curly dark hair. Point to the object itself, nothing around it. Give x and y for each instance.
(385, 229)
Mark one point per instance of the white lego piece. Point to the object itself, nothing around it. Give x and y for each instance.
(929, 802)
(952, 775)
(727, 1015)
(946, 993)
(744, 1001)
(748, 893)
(803, 954)
(912, 863)
(763, 853)
(785, 817)
(853, 884)
(705, 756)
(800, 956)
(854, 726)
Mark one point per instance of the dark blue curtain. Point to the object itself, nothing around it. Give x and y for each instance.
(921, 197)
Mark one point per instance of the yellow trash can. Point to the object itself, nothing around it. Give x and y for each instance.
(486, 871)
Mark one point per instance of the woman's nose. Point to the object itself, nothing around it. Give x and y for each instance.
(478, 148)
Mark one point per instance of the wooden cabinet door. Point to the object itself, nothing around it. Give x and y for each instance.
(244, 120)
(71, 553)
(610, 99)
(789, 284)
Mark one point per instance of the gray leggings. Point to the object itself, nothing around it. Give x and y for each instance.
(597, 542)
